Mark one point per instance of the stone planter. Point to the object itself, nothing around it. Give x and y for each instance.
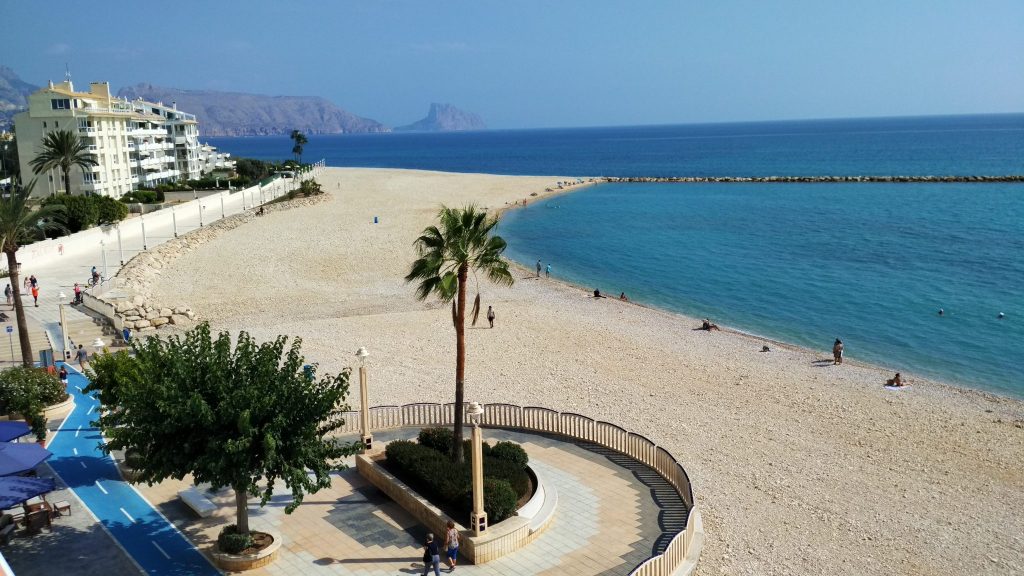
(243, 562)
(60, 410)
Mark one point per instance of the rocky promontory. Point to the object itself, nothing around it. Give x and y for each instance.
(445, 118)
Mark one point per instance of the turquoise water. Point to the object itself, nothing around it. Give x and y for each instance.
(807, 263)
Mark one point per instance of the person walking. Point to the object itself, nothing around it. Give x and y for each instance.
(538, 268)
(451, 544)
(9, 294)
(35, 294)
(63, 375)
(547, 271)
(837, 352)
(490, 316)
(32, 281)
(78, 293)
(82, 355)
(431, 556)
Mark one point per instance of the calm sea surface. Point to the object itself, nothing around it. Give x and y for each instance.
(804, 263)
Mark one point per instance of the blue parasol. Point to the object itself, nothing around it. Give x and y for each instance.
(16, 489)
(18, 458)
(11, 429)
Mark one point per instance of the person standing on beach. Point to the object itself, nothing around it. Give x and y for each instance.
(538, 268)
(837, 352)
(547, 271)
(490, 316)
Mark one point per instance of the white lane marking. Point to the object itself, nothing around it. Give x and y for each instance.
(75, 450)
(128, 515)
(79, 388)
(90, 410)
(83, 464)
(102, 489)
(166, 555)
(77, 431)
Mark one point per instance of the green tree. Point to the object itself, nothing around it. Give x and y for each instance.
(233, 417)
(300, 141)
(28, 391)
(109, 211)
(63, 149)
(462, 241)
(20, 223)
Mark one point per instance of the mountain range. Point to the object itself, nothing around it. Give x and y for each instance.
(242, 114)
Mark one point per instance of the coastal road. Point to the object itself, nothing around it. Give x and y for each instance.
(145, 535)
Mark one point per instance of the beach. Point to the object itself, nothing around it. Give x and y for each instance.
(798, 466)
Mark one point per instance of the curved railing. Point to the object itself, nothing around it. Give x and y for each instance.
(684, 549)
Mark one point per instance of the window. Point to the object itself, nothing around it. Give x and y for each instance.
(60, 103)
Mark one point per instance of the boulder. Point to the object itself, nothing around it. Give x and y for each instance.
(142, 323)
(166, 312)
(191, 315)
(180, 310)
(159, 321)
(123, 306)
(152, 315)
(138, 300)
(132, 318)
(177, 319)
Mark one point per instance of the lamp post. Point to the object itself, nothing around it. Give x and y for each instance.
(364, 400)
(174, 222)
(120, 248)
(142, 220)
(479, 517)
(63, 325)
(98, 344)
(103, 249)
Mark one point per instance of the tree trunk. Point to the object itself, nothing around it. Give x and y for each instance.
(242, 510)
(460, 362)
(67, 180)
(19, 312)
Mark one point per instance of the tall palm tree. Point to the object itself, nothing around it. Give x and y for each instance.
(63, 149)
(300, 142)
(20, 222)
(460, 243)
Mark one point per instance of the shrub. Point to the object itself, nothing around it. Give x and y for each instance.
(438, 438)
(107, 371)
(311, 188)
(110, 210)
(510, 472)
(143, 196)
(231, 542)
(28, 391)
(82, 212)
(510, 452)
(499, 500)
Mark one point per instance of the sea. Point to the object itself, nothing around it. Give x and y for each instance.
(805, 263)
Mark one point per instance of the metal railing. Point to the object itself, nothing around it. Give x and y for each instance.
(576, 426)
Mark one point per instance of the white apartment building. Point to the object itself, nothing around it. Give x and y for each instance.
(137, 144)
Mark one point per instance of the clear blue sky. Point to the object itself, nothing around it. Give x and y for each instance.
(534, 63)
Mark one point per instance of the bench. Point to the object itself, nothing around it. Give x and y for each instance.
(195, 500)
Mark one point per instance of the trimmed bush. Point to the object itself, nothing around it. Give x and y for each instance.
(438, 438)
(231, 542)
(28, 391)
(510, 452)
(512, 473)
(499, 500)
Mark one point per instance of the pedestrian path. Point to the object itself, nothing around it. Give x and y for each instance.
(151, 541)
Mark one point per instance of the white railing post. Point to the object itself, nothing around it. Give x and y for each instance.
(142, 220)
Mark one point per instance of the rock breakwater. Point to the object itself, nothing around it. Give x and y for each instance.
(816, 179)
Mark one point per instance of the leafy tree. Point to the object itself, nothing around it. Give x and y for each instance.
(462, 241)
(63, 149)
(9, 158)
(20, 223)
(300, 141)
(109, 210)
(233, 417)
(28, 391)
(82, 212)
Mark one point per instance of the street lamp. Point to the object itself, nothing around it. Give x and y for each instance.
(474, 411)
(98, 344)
(364, 399)
(63, 325)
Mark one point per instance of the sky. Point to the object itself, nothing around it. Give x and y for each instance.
(547, 63)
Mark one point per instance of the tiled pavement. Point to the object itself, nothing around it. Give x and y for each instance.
(607, 520)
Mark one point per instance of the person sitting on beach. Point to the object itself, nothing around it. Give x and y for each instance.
(622, 296)
(597, 293)
(708, 325)
(896, 381)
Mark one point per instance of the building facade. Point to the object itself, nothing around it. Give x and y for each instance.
(137, 144)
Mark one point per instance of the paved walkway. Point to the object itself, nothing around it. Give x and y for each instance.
(607, 521)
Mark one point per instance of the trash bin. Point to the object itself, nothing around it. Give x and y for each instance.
(310, 371)
(46, 358)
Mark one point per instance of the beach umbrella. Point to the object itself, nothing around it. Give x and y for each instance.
(18, 458)
(16, 489)
(11, 429)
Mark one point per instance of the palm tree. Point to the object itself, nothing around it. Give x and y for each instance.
(300, 141)
(461, 242)
(20, 222)
(63, 149)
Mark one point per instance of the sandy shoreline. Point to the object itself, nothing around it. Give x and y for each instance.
(800, 467)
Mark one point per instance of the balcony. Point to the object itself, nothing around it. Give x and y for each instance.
(94, 186)
(141, 132)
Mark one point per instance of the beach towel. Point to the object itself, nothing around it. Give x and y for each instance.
(904, 387)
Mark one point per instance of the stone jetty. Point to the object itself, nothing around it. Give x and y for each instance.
(817, 179)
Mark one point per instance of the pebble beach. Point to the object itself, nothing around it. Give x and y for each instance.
(799, 466)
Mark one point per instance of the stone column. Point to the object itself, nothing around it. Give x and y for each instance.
(479, 518)
(364, 410)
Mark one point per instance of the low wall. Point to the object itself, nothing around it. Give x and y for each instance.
(682, 552)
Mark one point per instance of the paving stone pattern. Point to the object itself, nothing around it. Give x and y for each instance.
(607, 521)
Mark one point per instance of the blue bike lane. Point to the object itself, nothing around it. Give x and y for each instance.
(149, 538)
